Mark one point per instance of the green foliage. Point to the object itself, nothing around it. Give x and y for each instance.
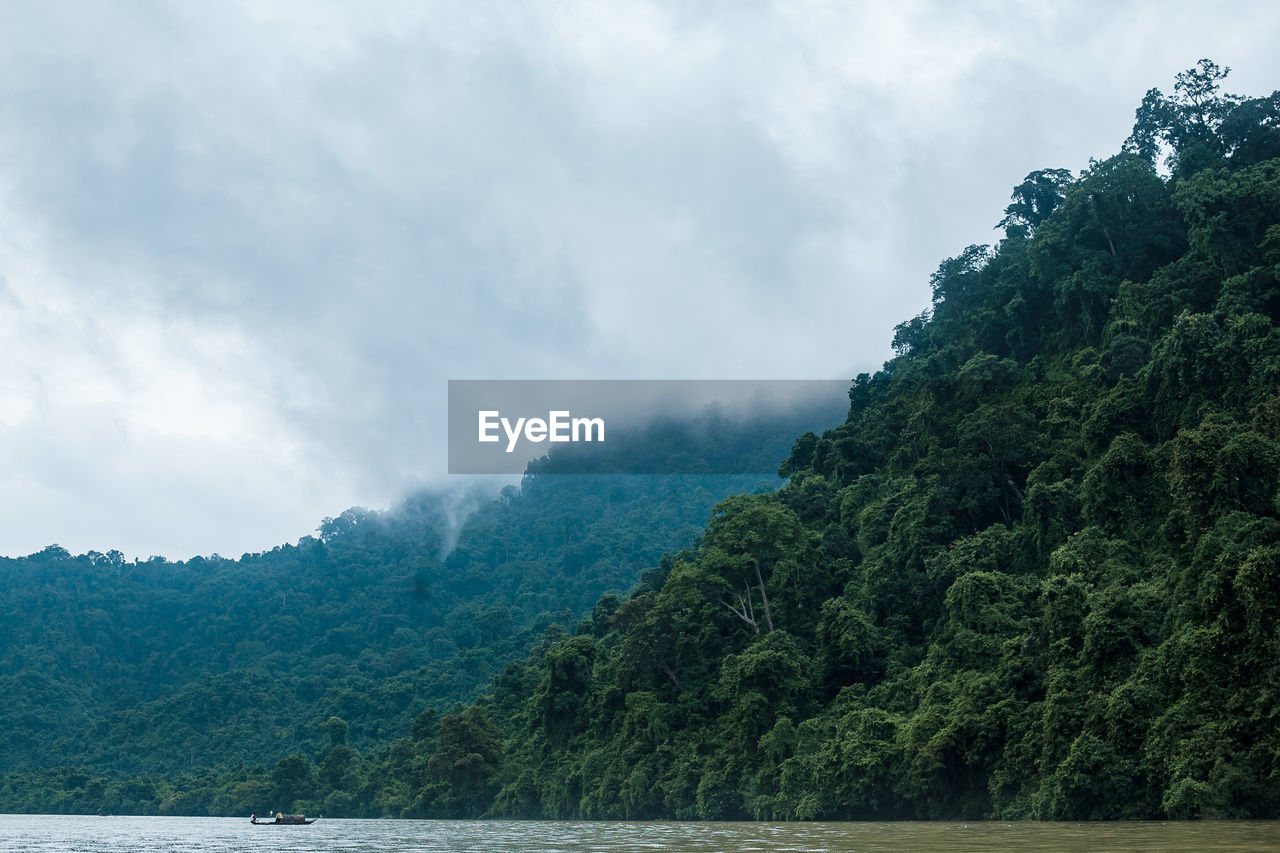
(1035, 574)
(326, 650)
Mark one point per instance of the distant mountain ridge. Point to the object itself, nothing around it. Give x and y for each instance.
(160, 667)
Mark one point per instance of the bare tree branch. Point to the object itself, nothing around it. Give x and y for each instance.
(744, 611)
(768, 619)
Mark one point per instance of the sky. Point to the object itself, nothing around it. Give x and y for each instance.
(245, 245)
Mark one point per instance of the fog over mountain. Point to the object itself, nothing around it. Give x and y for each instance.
(244, 246)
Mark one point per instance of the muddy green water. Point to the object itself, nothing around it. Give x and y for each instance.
(46, 833)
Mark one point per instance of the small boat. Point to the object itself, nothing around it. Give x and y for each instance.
(283, 820)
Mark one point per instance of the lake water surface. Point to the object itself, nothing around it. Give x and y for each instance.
(81, 834)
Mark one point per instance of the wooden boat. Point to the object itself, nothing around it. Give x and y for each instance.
(283, 820)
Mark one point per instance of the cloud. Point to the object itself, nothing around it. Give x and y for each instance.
(245, 245)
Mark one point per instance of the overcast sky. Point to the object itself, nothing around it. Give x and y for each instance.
(243, 246)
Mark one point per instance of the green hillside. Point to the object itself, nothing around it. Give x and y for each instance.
(155, 667)
(1035, 574)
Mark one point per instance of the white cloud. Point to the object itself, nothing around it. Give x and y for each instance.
(122, 416)
(245, 245)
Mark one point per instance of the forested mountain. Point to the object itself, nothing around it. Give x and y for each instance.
(153, 668)
(1034, 574)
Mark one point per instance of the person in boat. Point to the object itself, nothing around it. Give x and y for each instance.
(282, 818)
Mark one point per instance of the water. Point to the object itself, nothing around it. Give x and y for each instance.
(81, 834)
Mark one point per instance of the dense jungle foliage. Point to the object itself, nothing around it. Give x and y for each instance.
(125, 669)
(1035, 574)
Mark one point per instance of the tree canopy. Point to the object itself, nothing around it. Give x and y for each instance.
(1034, 574)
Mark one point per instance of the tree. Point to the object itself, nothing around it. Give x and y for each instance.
(1034, 199)
(465, 762)
(292, 780)
(749, 540)
(1187, 124)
